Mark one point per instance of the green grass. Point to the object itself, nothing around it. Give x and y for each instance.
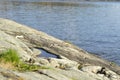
(29, 67)
(11, 57)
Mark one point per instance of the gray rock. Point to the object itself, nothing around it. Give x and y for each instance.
(9, 42)
(58, 63)
(64, 63)
(36, 52)
(34, 38)
(101, 72)
(9, 75)
(62, 57)
(24, 39)
(43, 61)
(91, 69)
(54, 74)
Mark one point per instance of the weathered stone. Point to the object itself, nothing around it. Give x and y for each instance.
(53, 62)
(25, 40)
(101, 71)
(36, 52)
(9, 75)
(64, 63)
(9, 42)
(91, 69)
(53, 74)
(34, 38)
(43, 61)
(62, 57)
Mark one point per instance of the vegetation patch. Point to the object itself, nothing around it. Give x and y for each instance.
(10, 55)
(9, 59)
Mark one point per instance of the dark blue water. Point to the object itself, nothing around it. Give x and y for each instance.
(93, 26)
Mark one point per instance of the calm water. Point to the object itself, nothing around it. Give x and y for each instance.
(94, 27)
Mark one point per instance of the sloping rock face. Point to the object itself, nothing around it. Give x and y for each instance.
(25, 40)
(34, 38)
(9, 42)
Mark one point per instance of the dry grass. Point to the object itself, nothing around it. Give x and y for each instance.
(6, 65)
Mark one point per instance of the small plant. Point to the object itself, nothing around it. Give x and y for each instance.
(11, 60)
(10, 56)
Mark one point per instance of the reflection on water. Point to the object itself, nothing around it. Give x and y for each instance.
(92, 26)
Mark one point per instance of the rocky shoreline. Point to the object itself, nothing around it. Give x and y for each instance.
(73, 63)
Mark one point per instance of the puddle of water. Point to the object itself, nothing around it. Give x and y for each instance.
(47, 54)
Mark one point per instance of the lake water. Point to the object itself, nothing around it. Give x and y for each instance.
(93, 26)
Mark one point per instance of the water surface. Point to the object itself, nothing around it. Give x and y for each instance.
(93, 26)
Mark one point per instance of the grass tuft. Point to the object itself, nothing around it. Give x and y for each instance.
(10, 56)
(11, 60)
